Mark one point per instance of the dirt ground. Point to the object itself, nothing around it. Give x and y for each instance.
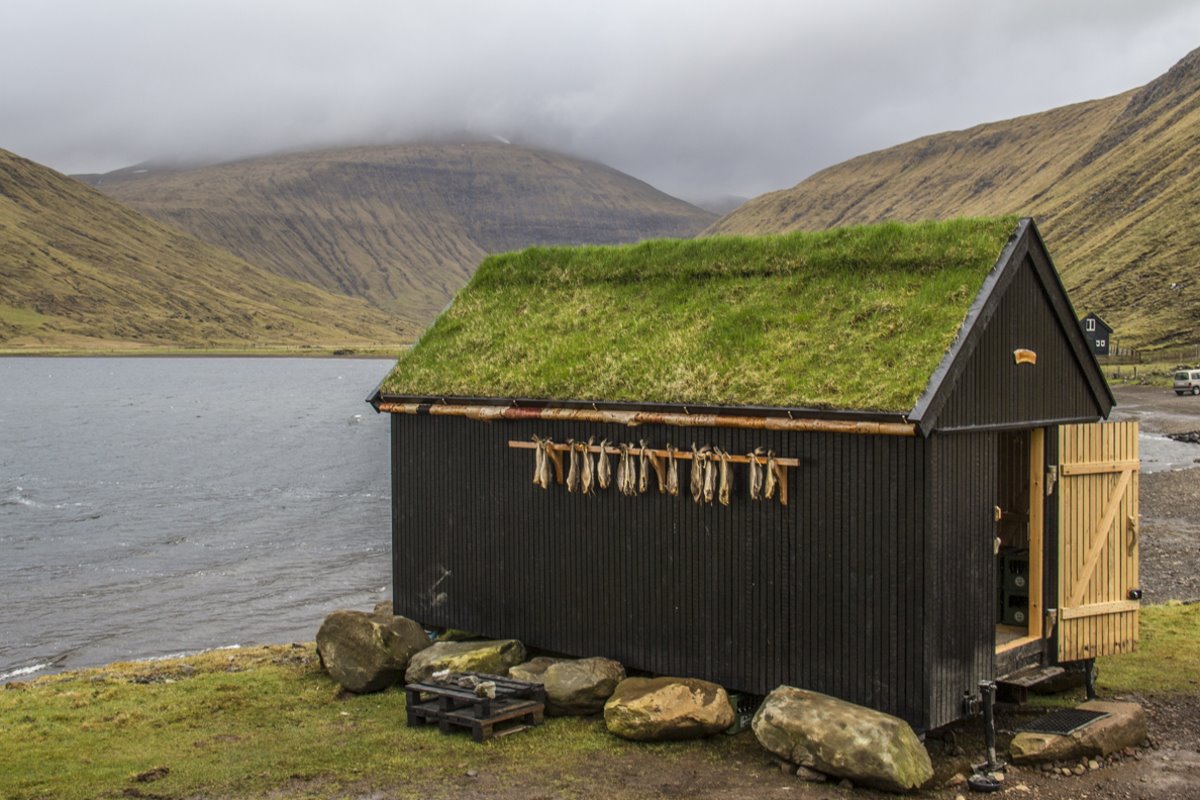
(1167, 767)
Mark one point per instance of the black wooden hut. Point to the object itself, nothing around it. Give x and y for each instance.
(1098, 333)
(953, 511)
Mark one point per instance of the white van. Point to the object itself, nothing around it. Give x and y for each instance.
(1187, 381)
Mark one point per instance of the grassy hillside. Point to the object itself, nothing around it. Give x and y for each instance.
(79, 271)
(1109, 182)
(401, 226)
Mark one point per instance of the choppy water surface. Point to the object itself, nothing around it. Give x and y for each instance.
(155, 506)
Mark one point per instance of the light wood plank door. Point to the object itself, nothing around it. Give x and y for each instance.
(1097, 540)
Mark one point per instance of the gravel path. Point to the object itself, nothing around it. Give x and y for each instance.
(1169, 497)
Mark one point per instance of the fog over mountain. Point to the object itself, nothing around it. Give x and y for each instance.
(701, 100)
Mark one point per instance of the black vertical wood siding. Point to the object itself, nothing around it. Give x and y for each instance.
(961, 589)
(828, 593)
(994, 390)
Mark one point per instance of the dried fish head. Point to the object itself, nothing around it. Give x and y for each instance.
(631, 477)
(710, 479)
(672, 472)
(587, 483)
(643, 463)
(726, 479)
(540, 463)
(772, 481)
(756, 475)
(573, 469)
(603, 468)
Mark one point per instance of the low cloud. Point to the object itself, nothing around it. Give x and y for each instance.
(699, 101)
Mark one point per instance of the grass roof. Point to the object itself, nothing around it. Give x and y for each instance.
(851, 318)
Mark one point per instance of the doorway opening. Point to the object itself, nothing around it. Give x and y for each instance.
(1019, 538)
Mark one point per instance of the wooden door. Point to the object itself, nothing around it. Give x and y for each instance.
(1097, 539)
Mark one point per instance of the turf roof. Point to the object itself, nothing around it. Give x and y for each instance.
(851, 318)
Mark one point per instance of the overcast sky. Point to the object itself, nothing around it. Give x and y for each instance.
(699, 98)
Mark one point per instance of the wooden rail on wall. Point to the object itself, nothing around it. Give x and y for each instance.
(685, 455)
(657, 456)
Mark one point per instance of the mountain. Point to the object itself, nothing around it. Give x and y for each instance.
(79, 271)
(402, 226)
(1110, 182)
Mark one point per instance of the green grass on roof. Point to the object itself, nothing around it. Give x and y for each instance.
(854, 318)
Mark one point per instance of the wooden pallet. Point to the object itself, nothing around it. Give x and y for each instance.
(517, 706)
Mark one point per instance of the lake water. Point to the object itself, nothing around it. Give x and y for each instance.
(151, 506)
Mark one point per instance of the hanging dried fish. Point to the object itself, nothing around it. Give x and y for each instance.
(573, 469)
(725, 483)
(772, 480)
(756, 475)
(644, 465)
(541, 463)
(672, 472)
(603, 468)
(587, 483)
(631, 476)
(710, 478)
(697, 482)
(538, 457)
(623, 470)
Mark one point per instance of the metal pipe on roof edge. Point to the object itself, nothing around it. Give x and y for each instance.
(634, 418)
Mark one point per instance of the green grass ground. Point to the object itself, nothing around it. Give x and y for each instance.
(264, 720)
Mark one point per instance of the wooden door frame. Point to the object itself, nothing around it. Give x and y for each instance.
(1037, 542)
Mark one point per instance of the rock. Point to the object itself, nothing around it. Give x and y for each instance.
(1124, 727)
(532, 671)
(811, 775)
(384, 608)
(845, 783)
(958, 779)
(574, 687)
(1079, 770)
(368, 652)
(493, 657)
(1093, 764)
(658, 709)
(842, 739)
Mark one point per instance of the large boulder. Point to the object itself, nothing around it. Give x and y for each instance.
(820, 732)
(493, 657)
(533, 671)
(574, 687)
(1125, 726)
(657, 709)
(368, 652)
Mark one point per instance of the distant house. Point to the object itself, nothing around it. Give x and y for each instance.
(1098, 333)
(947, 507)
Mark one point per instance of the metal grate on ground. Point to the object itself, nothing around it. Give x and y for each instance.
(1063, 721)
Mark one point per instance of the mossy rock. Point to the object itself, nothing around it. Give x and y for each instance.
(493, 657)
